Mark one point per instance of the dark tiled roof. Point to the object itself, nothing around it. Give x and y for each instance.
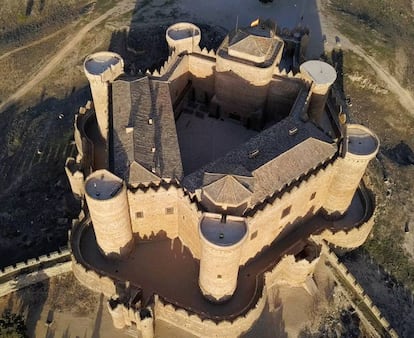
(267, 146)
(227, 191)
(138, 174)
(144, 128)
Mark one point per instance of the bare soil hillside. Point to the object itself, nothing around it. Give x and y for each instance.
(23, 20)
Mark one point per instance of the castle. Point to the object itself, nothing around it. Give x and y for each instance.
(211, 181)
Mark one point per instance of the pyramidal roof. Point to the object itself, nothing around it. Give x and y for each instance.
(227, 190)
(138, 174)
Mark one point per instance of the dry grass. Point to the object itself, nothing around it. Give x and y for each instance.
(380, 110)
(384, 29)
(22, 65)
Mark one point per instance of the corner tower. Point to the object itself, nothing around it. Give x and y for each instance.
(106, 197)
(359, 146)
(183, 37)
(221, 247)
(102, 68)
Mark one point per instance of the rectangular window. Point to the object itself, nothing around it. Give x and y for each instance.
(253, 235)
(286, 211)
(219, 276)
(313, 196)
(169, 211)
(139, 214)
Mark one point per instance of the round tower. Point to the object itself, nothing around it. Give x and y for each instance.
(147, 323)
(183, 37)
(106, 197)
(221, 247)
(117, 313)
(102, 68)
(322, 75)
(360, 145)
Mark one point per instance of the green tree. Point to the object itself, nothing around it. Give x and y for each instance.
(12, 325)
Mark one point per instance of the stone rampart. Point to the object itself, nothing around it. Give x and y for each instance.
(84, 145)
(356, 287)
(208, 328)
(178, 77)
(167, 209)
(302, 200)
(282, 94)
(291, 272)
(188, 219)
(124, 316)
(92, 280)
(154, 210)
(34, 270)
(88, 276)
(35, 264)
(202, 73)
(357, 235)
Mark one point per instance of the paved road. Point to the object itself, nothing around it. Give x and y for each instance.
(122, 7)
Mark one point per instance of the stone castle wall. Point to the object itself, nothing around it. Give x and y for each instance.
(291, 272)
(202, 73)
(188, 218)
(92, 280)
(282, 94)
(357, 235)
(207, 328)
(179, 77)
(34, 270)
(357, 288)
(256, 76)
(304, 200)
(154, 211)
(165, 209)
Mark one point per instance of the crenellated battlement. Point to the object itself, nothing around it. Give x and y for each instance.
(296, 175)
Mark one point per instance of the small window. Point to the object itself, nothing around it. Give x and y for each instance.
(219, 276)
(169, 211)
(312, 196)
(253, 235)
(286, 211)
(139, 214)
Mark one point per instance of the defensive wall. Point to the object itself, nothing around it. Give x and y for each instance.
(278, 212)
(205, 327)
(373, 312)
(359, 232)
(34, 270)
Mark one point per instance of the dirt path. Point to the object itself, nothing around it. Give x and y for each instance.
(123, 7)
(34, 43)
(328, 28)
